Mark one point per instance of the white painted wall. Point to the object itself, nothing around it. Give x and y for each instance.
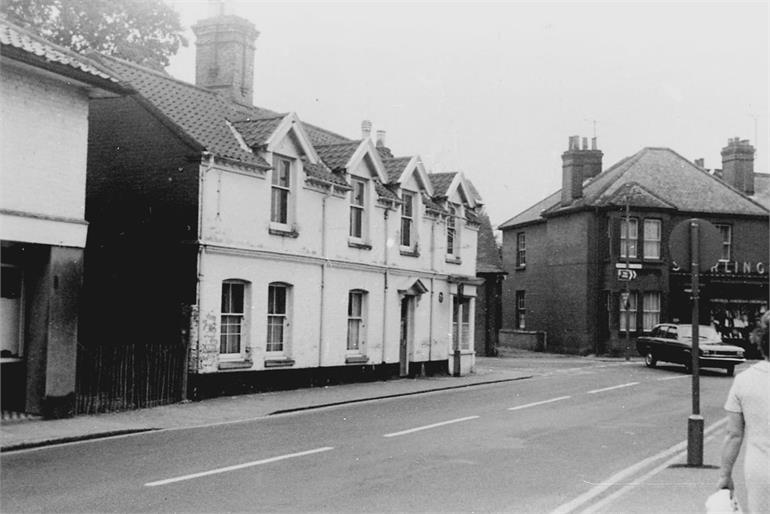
(239, 245)
(43, 145)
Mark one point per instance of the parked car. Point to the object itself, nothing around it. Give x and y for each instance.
(673, 343)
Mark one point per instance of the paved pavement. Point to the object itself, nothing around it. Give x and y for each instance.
(663, 484)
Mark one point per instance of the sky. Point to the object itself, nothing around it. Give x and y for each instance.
(495, 89)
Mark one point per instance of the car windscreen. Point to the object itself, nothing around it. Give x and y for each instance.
(706, 334)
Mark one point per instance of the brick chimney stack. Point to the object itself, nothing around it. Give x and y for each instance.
(224, 59)
(738, 165)
(577, 165)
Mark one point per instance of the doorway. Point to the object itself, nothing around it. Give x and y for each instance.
(405, 333)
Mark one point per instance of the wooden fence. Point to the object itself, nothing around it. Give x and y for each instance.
(130, 376)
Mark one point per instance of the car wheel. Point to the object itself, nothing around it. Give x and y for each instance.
(649, 360)
(730, 370)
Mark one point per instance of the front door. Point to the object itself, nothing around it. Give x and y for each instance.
(406, 304)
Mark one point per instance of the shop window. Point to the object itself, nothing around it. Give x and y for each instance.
(521, 250)
(628, 237)
(631, 312)
(232, 322)
(650, 310)
(726, 231)
(652, 239)
(356, 320)
(278, 302)
(521, 311)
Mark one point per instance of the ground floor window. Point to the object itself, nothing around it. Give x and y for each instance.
(521, 311)
(277, 317)
(631, 312)
(461, 322)
(651, 310)
(232, 317)
(356, 312)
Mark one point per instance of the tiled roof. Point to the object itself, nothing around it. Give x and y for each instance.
(45, 53)
(432, 205)
(320, 172)
(337, 156)
(395, 167)
(474, 192)
(441, 182)
(488, 258)
(319, 136)
(472, 217)
(385, 193)
(665, 177)
(200, 114)
(256, 132)
(762, 189)
(384, 152)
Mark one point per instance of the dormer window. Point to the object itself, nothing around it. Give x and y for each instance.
(357, 208)
(281, 193)
(407, 221)
(452, 233)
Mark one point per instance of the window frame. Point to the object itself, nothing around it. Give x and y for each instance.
(626, 241)
(521, 250)
(462, 325)
(727, 244)
(650, 316)
(273, 347)
(360, 209)
(360, 318)
(286, 164)
(453, 232)
(521, 309)
(242, 320)
(409, 219)
(632, 312)
(654, 243)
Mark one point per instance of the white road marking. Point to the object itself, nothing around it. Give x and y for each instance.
(675, 377)
(539, 403)
(622, 476)
(613, 387)
(639, 481)
(426, 427)
(237, 466)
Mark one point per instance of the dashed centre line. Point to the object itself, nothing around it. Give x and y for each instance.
(426, 427)
(539, 403)
(237, 466)
(613, 387)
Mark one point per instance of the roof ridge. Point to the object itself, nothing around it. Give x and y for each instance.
(342, 143)
(160, 74)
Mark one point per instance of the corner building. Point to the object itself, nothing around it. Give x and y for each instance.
(566, 255)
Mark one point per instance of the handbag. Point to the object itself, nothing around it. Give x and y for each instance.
(722, 502)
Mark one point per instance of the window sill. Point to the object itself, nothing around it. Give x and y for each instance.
(408, 252)
(244, 364)
(283, 233)
(520, 268)
(359, 244)
(279, 363)
(356, 359)
(7, 360)
(454, 260)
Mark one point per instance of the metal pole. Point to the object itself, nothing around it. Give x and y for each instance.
(695, 422)
(628, 292)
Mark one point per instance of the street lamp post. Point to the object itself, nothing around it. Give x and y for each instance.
(627, 295)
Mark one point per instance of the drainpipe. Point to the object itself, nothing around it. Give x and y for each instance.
(432, 287)
(199, 268)
(386, 287)
(322, 328)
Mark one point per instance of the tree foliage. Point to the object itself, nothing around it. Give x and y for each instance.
(147, 32)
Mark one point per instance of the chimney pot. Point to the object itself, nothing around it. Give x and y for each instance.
(593, 143)
(585, 143)
(380, 138)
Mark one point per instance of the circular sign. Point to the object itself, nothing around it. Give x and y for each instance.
(709, 244)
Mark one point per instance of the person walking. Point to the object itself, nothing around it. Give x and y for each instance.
(747, 406)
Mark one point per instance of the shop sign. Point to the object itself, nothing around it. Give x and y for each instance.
(731, 267)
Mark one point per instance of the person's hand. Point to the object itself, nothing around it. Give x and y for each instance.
(726, 483)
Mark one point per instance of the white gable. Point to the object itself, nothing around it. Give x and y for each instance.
(290, 138)
(366, 162)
